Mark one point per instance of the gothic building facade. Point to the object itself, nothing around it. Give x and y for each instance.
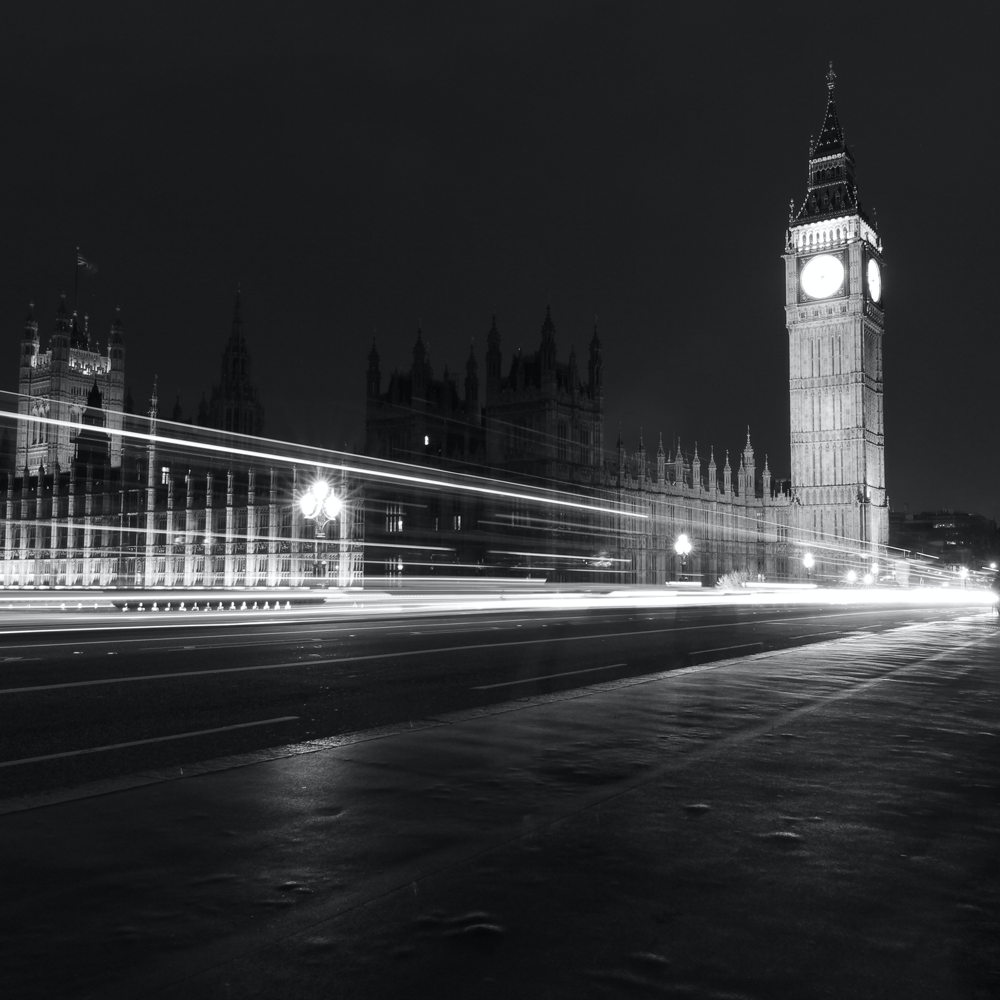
(54, 386)
(541, 424)
(234, 405)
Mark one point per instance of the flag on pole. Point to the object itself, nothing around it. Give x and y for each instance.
(89, 267)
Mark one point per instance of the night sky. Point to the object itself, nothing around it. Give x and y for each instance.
(367, 167)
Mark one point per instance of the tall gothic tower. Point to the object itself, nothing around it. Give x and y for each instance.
(835, 316)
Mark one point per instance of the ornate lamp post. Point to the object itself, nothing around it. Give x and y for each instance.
(808, 560)
(682, 547)
(321, 505)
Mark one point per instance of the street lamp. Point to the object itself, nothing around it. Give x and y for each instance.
(682, 547)
(963, 572)
(808, 561)
(851, 576)
(321, 505)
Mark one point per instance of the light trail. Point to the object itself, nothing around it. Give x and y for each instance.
(543, 496)
(407, 653)
(383, 605)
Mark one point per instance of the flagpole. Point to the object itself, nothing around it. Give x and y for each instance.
(76, 280)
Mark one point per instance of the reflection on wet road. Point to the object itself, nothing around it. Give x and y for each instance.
(810, 821)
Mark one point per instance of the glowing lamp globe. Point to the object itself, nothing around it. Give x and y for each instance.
(683, 545)
(308, 504)
(333, 505)
(808, 561)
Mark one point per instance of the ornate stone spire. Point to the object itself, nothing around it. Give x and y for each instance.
(832, 187)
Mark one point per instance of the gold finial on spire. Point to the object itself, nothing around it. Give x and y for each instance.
(831, 77)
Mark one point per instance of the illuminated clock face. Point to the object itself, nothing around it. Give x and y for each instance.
(822, 276)
(874, 281)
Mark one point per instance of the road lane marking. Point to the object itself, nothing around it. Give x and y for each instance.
(727, 649)
(544, 677)
(155, 739)
(810, 635)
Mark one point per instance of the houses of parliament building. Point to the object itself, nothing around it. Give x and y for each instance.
(89, 501)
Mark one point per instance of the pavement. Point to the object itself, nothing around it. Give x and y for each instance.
(812, 822)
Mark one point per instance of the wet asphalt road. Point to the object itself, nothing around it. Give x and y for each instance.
(150, 683)
(819, 821)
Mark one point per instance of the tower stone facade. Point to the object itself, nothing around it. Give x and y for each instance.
(836, 320)
(54, 385)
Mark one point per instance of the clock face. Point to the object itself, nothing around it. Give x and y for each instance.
(822, 276)
(874, 280)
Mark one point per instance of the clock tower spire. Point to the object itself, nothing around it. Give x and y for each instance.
(835, 316)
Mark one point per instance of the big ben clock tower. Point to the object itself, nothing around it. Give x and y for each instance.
(834, 312)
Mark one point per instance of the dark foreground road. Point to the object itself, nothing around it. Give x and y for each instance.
(165, 693)
(819, 821)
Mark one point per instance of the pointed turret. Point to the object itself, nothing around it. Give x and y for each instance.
(374, 380)
(493, 361)
(713, 475)
(116, 343)
(77, 335)
(595, 372)
(420, 370)
(748, 470)
(61, 332)
(661, 461)
(832, 187)
(154, 402)
(547, 351)
(472, 385)
(696, 469)
(767, 479)
(29, 339)
(679, 465)
(234, 405)
(727, 477)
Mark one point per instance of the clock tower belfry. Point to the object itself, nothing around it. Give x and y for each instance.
(835, 316)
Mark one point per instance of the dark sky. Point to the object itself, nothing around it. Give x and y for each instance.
(368, 165)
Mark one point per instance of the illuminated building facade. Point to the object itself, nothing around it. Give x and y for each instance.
(57, 383)
(835, 315)
(168, 517)
(735, 527)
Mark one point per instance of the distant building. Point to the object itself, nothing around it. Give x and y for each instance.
(55, 385)
(952, 538)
